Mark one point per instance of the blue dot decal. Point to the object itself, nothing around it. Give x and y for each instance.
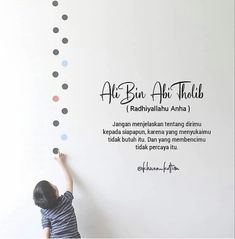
(64, 137)
(64, 63)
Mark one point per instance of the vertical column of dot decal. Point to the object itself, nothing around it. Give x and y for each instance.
(64, 63)
(55, 74)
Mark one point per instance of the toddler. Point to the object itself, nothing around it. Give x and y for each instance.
(58, 216)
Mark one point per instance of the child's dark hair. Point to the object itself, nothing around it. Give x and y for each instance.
(44, 195)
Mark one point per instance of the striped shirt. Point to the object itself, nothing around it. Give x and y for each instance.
(61, 219)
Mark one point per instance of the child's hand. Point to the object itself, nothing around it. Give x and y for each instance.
(68, 177)
(60, 158)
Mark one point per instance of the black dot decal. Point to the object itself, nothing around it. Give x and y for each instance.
(55, 3)
(65, 40)
(55, 29)
(64, 110)
(65, 86)
(65, 17)
(55, 74)
(55, 151)
(56, 123)
(56, 52)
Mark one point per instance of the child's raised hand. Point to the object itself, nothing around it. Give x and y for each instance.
(60, 158)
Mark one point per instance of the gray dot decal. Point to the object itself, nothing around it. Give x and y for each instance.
(55, 3)
(55, 74)
(65, 40)
(55, 29)
(56, 52)
(65, 86)
(56, 123)
(64, 110)
(55, 151)
(65, 17)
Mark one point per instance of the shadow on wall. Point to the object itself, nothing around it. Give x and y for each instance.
(91, 220)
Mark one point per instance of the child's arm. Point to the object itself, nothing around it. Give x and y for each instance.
(65, 170)
(46, 232)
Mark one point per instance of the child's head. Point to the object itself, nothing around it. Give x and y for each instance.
(45, 195)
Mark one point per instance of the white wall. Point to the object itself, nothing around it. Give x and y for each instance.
(136, 40)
